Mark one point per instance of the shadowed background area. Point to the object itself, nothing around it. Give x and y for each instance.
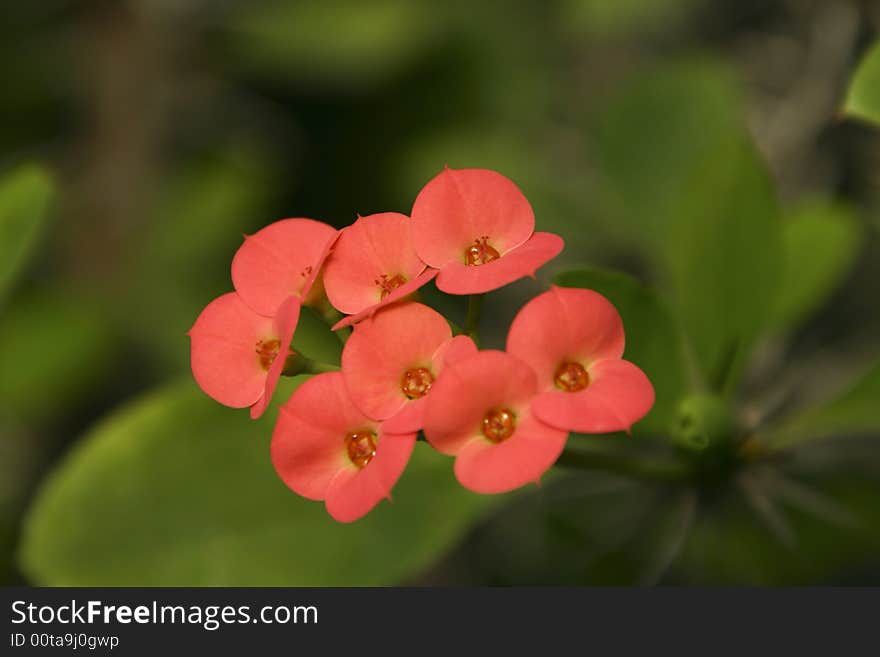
(700, 147)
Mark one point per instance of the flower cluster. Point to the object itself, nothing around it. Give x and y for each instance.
(345, 436)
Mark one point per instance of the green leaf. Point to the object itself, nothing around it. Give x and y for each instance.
(820, 242)
(682, 182)
(856, 411)
(176, 490)
(660, 129)
(863, 97)
(653, 341)
(25, 195)
(724, 260)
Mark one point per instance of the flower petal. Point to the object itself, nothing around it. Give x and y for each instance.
(408, 419)
(285, 325)
(565, 324)
(308, 444)
(381, 350)
(619, 395)
(223, 353)
(279, 260)
(459, 206)
(396, 295)
(355, 492)
(412, 416)
(467, 389)
(461, 346)
(521, 261)
(486, 467)
(372, 247)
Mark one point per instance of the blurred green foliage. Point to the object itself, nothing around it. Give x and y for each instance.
(673, 144)
(653, 534)
(602, 19)
(854, 412)
(71, 342)
(178, 491)
(686, 183)
(345, 43)
(820, 243)
(25, 195)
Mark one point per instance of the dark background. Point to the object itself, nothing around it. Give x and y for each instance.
(173, 127)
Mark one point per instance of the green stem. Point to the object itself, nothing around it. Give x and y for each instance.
(315, 367)
(474, 311)
(628, 466)
(299, 364)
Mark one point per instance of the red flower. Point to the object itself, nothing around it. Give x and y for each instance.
(281, 260)
(480, 411)
(391, 361)
(237, 355)
(477, 228)
(574, 340)
(373, 264)
(324, 448)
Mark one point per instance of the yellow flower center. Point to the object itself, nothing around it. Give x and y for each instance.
(499, 424)
(416, 382)
(571, 377)
(361, 447)
(267, 352)
(479, 253)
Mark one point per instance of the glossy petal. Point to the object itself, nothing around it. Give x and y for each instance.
(412, 416)
(485, 467)
(280, 260)
(398, 294)
(619, 395)
(223, 353)
(285, 322)
(524, 260)
(460, 206)
(381, 350)
(372, 247)
(308, 443)
(467, 389)
(565, 324)
(355, 492)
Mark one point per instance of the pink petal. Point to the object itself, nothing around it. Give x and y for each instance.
(223, 353)
(381, 350)
(373, 246)
(285, 326)
(308, 443)
(459, 278)
(486, 467)
(467, 389)
(565, 324)
(461, 346)
(412, 416)
(396, 295)
(354, 492)
(279, 260)
(619, 395)
(460, 206)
